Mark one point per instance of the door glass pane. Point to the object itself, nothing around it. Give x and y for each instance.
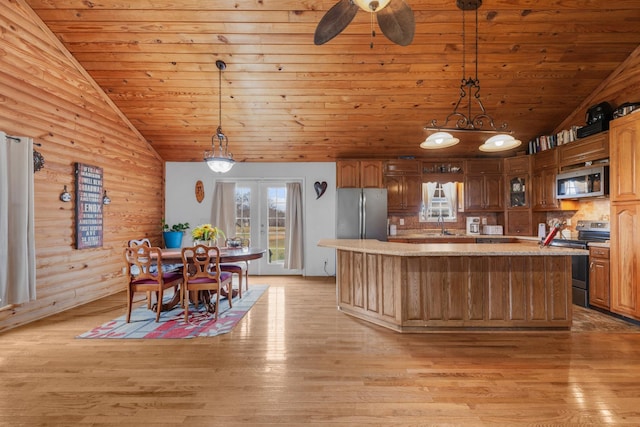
(243, 212)
(277, 202)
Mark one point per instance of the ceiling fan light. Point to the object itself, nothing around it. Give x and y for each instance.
(439, 140)
(372, 5)
(500, 142)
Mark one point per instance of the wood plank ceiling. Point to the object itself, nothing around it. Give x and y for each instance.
(286, 99)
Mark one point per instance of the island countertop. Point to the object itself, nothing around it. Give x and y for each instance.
(373, 246)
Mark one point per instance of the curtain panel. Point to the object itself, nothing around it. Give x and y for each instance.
(293, 248)
(17, 232)
(223, 214)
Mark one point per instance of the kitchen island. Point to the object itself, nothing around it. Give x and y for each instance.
(454, 286)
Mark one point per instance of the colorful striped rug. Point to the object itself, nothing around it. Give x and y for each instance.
(172, 324)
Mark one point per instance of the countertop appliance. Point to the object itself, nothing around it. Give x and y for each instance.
(592, 181)
(361, 213)
(492, 229)
(588, 231)
(473, 225)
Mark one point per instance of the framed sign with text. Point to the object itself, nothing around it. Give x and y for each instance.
(88, 206)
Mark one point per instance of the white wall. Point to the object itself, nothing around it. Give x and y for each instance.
(319, 214)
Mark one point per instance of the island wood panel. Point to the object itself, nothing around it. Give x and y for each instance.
(47, 97)
(456, 292)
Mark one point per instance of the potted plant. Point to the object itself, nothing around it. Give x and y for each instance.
(172, 235)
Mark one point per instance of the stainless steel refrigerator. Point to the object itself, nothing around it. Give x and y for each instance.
(361, 213)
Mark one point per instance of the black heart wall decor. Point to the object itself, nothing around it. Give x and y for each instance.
(320, 188)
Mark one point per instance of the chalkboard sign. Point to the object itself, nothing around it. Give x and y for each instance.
(88, 206)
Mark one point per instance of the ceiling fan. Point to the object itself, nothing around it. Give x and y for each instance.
(395, 19)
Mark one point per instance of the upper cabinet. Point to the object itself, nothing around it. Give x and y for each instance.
(518, 185)
(484, 185)
(624, 173)
(543, 180)
(589, 149)
(403, 180)
(359, 174)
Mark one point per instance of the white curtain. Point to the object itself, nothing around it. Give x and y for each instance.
(293, 230)
(17, 235)
(223, 214)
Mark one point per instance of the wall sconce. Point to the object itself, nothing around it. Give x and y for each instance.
(65, 196)
(105, 199)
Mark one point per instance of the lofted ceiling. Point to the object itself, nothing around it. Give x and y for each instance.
(286, 99)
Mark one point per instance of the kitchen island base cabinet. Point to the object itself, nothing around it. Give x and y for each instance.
(433, 293)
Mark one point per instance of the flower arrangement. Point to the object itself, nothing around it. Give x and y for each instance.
(207, 232)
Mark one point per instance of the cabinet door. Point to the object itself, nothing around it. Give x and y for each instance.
(413, 193)
(493, 193)
(519, 223)
(543, 183)
(473, 192)
(518, 191)
(395, 193)
(599, 290)
(625, 254)
(594, 147)
(371, 174)
(347, 174)
(625, 159)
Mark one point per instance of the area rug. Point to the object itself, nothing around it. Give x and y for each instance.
(172, 324)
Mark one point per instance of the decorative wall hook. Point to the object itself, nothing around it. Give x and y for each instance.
(65, 196)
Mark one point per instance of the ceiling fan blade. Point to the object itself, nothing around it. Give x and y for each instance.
(397, 22)
(334, 21)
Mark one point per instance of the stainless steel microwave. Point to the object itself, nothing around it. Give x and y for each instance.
(592, 181)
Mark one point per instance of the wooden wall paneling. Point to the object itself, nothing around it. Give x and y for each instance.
(537, 291)
(346, 273)
(457, 289)
(414, 299)
(48, 97)
(558, 271)
(497, 287)
(476, 288)
(358, 264)
(392, 279)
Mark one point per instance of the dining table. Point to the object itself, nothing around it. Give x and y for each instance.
(227, 255)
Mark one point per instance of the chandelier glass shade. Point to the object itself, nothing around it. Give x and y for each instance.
(372, 5)
(439, 140)
(500, 142)
(469, 114)
(219, 160)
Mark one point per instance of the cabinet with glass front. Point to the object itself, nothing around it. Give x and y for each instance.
(517, 173)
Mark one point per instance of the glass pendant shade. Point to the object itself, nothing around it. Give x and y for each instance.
(222, 161)
(439, 140)
(372, 5)
(500, 142)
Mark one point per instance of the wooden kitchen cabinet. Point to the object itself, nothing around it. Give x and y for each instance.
(484, 185)
(589, 149)
(599, 290)
(523, 222)
(624, 189)
(624, 173)
(483, 192)
(404, 193)
(359, 174)
(544, 166)
(625, 256)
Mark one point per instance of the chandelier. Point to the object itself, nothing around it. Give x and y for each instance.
(222, 161)
(474, 120)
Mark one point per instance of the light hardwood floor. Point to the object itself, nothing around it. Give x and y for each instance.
(295, 360)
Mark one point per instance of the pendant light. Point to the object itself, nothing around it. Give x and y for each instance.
(480, 121)
(439, 140)
(372, 5)
(223, 161)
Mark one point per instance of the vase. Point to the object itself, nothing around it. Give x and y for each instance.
(211, 242)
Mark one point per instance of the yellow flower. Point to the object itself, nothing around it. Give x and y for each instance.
(207, 232)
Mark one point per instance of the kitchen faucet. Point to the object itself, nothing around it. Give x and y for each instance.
(441, 223)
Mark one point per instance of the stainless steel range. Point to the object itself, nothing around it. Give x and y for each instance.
(588, 231)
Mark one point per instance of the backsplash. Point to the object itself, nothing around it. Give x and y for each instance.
(589, 209)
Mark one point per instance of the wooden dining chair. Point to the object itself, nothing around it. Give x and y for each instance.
(146, 274)
(237, 268)
(201, 273)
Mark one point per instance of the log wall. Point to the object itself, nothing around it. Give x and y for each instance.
(46, 95)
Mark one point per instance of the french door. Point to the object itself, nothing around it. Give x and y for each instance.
(260, 216)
